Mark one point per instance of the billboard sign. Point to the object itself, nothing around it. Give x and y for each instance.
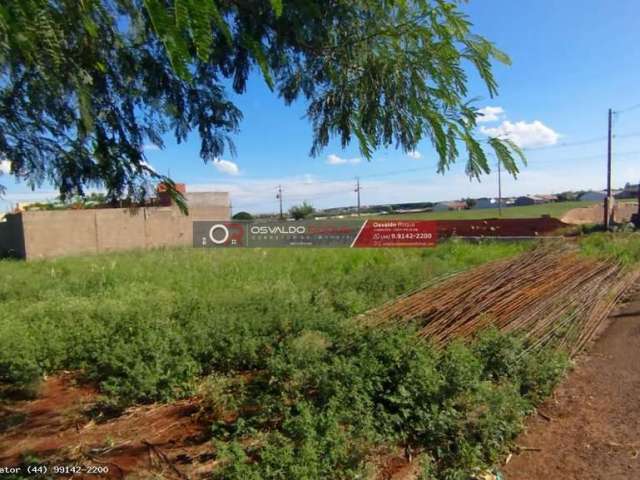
(315, 233)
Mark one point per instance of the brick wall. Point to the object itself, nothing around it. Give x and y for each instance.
(71, 232)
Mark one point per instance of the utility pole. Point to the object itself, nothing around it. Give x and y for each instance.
(357, 190)
(607, 220)
(279, 197)
(499, 190)
(638, 205)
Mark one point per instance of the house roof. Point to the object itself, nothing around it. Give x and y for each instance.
(454, 204)
(546, 197)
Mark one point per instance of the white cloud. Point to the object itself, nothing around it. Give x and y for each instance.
(151, 147)
(226, 166)
(5, 167)
(414, 154)
(489, 114)
(523, 134)
(336, 160)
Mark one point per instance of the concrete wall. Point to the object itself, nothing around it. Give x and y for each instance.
(206, 199)
(11, 237)
(73, 232)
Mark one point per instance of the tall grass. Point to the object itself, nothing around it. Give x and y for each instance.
(145, 324)
(620, 247)
(267, 333)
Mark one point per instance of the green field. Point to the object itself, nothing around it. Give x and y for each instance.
(270, 335)
(556, 209)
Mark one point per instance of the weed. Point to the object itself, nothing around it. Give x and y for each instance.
(318, 392)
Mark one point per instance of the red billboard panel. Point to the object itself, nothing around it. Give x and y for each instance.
(397, 233)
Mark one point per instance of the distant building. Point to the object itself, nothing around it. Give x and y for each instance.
(486, 202)
(411, 210)
(446, 206)
(22, 206)
(525, 200)
(629, 191)
(547, 198)
(592, 196)
(164, 198)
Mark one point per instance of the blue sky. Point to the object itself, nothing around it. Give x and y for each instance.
(572, 60)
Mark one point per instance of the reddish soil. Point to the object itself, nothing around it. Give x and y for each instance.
(166, 440)
(500, 227)
(592, 425)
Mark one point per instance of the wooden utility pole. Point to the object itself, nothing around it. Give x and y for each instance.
(499, 190)
(638, 204)
(357, 190)
(279, 197)
(607, 220)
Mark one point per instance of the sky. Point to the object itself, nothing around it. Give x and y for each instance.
(571, 61)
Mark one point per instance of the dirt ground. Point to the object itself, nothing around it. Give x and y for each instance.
(152, 441)
(594, 214)
(590, 428)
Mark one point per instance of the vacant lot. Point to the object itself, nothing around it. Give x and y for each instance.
(261, 345)
(145, 324)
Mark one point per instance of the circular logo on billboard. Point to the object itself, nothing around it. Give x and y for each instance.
(219, 234)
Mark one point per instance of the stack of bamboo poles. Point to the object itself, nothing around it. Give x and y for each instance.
(551, 296)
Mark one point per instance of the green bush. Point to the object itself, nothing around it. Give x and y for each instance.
(295, 388)
(319, 416)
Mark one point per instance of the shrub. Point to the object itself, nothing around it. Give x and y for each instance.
(220, 394)
(302, 211)
(242, 216)
(461, 406)
(323, 391)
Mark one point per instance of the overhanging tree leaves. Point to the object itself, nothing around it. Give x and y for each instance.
(85, 84)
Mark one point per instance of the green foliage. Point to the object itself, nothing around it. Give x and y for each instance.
(621, 247)
(499, 354)
(220, 394)
(145, 325)
(320, 416)
(242, 216)
(293, 386)
(539, 373)
(302, 211)
(470, 202)
(85, 85)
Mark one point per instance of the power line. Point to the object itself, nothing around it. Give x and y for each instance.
(434, 164)
(582, 142)
(344, 189)
(590, 157)
(627, 109)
